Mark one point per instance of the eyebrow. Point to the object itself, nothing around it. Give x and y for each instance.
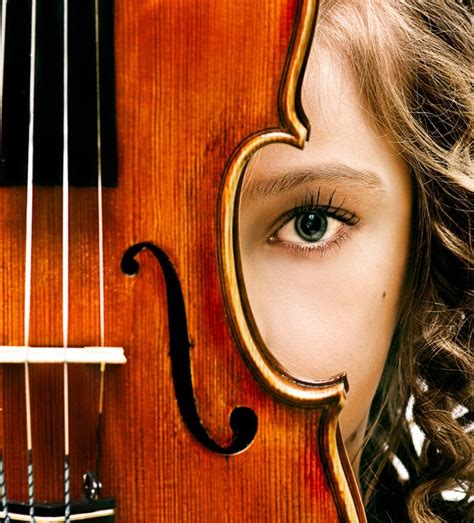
(350, 178)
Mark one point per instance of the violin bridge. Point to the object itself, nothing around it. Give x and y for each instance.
(99, 355)
(91, 511)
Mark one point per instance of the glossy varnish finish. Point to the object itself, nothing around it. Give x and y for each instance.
(194, 80)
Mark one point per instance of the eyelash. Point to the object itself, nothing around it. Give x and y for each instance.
(311, 202)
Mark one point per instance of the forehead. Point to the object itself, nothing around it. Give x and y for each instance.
(331, 98)
(343, 132)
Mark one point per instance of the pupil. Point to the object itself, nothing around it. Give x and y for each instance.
(311, 226)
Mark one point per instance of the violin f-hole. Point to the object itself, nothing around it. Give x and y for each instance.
(243, 420)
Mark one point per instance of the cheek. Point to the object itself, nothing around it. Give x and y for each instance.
(323, 316)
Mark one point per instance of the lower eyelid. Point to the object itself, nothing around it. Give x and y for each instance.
(309, 250)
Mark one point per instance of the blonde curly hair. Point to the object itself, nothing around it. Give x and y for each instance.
(412, 60)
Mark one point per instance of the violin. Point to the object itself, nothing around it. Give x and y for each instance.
(135, 385)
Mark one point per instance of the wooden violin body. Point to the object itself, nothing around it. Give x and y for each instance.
(200, 424)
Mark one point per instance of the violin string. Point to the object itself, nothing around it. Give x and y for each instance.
(65, 265)
(28, 260)
(99, 178)
(3, 22)
(5, 512)
(101, 236)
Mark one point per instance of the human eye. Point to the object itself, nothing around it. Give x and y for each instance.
(313, 226)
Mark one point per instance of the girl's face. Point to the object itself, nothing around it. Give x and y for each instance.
(324, 241)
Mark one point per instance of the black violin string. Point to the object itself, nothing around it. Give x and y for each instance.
(3, 20)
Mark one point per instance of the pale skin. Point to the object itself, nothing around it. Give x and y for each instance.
(324, 238)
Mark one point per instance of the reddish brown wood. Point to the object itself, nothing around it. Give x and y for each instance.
(194, 79)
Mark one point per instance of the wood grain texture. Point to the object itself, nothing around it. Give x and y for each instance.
(194, 79)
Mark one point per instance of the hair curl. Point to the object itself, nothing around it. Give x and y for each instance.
(413, 62)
